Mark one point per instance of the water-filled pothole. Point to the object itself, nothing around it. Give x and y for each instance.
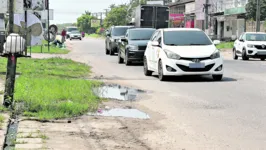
(118, 92)
(120, 112)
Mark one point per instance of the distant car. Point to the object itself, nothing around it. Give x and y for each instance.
(112, 36)
(69, 30)
(133, 46)
(250, 45)
(75, 35)
(182, 51)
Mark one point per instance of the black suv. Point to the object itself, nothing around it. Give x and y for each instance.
(112, 36)
(133, 45)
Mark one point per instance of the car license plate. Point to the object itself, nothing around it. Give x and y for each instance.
(262, 53)
(196, 65)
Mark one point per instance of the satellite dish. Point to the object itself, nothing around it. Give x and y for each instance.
(52, 36)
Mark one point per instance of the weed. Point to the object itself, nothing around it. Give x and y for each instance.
(225, 45)
(53, 88)
(2, 119)
(44, 49)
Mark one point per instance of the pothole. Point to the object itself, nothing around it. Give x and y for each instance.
(121, 112)
(117, 92)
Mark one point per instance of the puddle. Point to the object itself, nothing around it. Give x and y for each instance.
(113, 91)
(119, 112)
(11, 136)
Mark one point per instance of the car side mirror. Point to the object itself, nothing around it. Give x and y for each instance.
(241, 40)
(155, 43)
(216, 42)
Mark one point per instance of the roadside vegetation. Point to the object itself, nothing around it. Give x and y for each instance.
(53, 88)
(94, 35)
(225, 45)
(44, 49)
(2, 119)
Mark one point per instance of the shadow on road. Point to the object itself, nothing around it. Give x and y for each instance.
(195, 79)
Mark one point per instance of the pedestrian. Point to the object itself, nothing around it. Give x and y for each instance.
(83, 34)
(63, 34)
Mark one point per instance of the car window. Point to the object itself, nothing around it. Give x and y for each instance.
(71, 29)
(244, 37)
(154, 35)
(184, 38)
(240, 37)
(140, 34)
(159, 38)
(255, 37)
(119, 31)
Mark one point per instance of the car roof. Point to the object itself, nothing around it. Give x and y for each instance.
(181, 29)
(122, 26)
(255, 32)
(141, 29)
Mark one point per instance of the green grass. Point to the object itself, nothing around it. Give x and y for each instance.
(53, 88)
(94, 35)
(225, 45)
(44, 49)
(2, 119)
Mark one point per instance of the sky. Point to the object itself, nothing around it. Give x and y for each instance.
(67, 11)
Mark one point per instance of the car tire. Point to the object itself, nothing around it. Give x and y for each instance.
(70, 39)
(80, 39)
(127, 62)
(217, 77)
(111, 52)
(235, 57)
(120, 59)
(106, 50)
(244, 55)
(262, 59)
(161, 76)
(147, 72)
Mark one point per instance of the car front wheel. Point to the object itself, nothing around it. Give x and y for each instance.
(120, 59)
(235, 57)
(244, 55)
(162, 77)
(262, 59)
(217, 77)
(127, 62)
(147, 72)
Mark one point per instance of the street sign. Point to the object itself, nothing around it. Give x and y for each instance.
(95, 23)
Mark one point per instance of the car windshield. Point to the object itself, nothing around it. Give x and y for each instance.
(256, 37)
(140, 34)
(119, 31)
(71, 29)
(184, 38)
(75, 32)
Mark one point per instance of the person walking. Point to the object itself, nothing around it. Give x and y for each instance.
(63, 34)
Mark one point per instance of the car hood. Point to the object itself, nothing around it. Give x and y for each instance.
(256, 42)
(117, 37)
(138, 42)
(193, 51)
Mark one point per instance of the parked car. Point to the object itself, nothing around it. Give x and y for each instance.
(250, 45)
(112, 36)
(133, 45)
(182, 51)
(69, 30)
(75, 35)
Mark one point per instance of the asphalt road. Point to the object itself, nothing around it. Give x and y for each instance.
(194, 112)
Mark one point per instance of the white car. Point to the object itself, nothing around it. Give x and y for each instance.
(75, 35)
(182, 51)
(250, 45)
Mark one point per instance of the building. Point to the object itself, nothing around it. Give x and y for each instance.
(179, 16)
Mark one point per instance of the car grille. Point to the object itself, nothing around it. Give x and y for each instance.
(260, 47)
(187, 69)
(142, 47)
(190, 59)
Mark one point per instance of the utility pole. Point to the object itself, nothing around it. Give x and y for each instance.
(48, 24)
(206, 8)
(258, 16)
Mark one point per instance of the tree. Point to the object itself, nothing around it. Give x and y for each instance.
(84, 22)
(116, 16)
(251, 8)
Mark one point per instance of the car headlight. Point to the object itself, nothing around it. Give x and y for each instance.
(172, 55)
(132, 47)
(215, 55)
(250, 46)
